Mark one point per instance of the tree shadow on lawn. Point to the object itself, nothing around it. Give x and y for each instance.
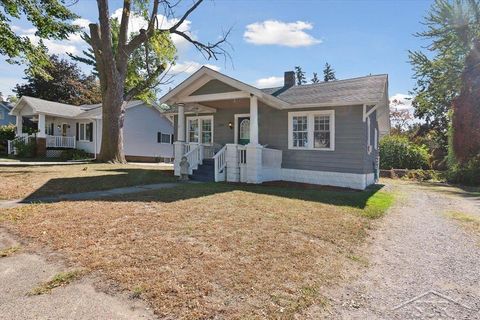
(326, 195)
(113, 178)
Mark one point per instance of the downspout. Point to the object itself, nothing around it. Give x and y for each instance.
(95, 140)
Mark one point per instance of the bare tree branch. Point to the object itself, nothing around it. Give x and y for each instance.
(147, 84)
(185, 16)
(144, 35)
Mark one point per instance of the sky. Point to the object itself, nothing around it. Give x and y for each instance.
(269, 37)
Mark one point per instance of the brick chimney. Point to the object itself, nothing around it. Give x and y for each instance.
(289, 79)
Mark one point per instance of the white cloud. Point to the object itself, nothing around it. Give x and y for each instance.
(401, 101)
(190, 67)
(137, 22)
(269, 82)
(82, 23)
(54, 47)
(273, 32)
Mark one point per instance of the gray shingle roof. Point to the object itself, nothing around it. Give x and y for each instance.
(349, 91)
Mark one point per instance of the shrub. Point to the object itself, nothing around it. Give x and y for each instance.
(7, 132)
(399, 153)
(74, 154)
(467, 174)
(425, 175)
(25, 149)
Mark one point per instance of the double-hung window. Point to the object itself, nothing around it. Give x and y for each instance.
(311, 130)
(200, 129)
(85, 131)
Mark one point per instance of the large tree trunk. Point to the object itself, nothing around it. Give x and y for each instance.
(113, 114)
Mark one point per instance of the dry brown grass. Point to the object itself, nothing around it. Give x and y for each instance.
(200, 251)
(39, 181)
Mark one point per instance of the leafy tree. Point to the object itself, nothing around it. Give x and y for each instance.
(466, 115)
(398, 152)
(452, 27)
(52, 21)
(66, 84)
(300, 76)
(328, 73)
(315, 78)
(112, 65)
(142, 58)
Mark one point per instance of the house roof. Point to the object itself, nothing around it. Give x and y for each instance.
(6, 105)
(362, 90)
(56, 109)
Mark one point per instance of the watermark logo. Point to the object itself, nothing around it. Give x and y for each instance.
(433, 305)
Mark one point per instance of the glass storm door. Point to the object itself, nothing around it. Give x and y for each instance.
(243, 130)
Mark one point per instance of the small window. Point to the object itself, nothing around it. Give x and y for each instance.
(311, 130)
(164, 138)
(200, 129)
(88, 132)
(193, 130)
(207, 131)
(300, 131)
(50, 129)
(82, 131)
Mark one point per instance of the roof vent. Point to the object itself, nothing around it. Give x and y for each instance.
(289, 79)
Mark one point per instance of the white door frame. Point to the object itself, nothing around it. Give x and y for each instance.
(235, 126)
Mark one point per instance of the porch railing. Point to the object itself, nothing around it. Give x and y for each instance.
(61, 142)
(219, 164)
(242, 154)
(25, 138)
(194, 157)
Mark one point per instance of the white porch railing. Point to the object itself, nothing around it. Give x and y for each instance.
(242, 154)
(61, 142)
(219, 164)
(194, 157)
(11, 143)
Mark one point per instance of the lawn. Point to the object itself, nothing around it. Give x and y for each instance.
(213, 250)
(37, 181)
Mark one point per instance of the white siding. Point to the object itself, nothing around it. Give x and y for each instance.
(142, 123)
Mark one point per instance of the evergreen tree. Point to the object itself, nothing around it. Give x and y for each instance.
(315, 78)
(328, 73)
(300, 76)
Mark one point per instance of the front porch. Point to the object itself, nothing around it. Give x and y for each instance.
(224, 134)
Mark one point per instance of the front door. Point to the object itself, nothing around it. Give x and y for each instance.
(243, 124)
(64, 129)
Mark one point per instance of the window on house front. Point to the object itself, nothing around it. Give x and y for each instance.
(300, 131)
(164, 138)
(49, 127)
(200, 129)
(85, 131)
(311, 130)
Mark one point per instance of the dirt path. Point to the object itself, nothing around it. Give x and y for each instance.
(418, 253)
(23, 271)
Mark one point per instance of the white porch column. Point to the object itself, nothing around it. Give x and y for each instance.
(41, 126)
(181, 123)
(253, 120)
(19, 124)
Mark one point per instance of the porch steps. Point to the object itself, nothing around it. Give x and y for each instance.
(205, 171)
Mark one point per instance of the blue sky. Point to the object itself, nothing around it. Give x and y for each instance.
(269, 37)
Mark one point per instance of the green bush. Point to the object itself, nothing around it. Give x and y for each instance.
(25, 149)
(399, 153)
(7, 132)
(425, 175)
(467, 174)
(74, 154)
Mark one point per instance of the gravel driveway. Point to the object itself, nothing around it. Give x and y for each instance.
(422, 263)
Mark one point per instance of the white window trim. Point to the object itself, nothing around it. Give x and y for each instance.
(170, 138)
(375, 145)
(235, 125)
(310, 127)
(187, 126)
(84, 133)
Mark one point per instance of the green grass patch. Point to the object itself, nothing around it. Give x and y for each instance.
(60, 279)
(9, 251)
(378, 204)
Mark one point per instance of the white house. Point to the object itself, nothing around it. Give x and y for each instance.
(148, 134)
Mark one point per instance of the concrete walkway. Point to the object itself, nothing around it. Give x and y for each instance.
(81, 299)
(90, 195)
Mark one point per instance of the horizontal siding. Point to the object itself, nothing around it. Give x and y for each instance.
(214, 86)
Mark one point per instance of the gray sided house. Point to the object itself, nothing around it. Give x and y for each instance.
(148, 134)
(324, 133)
(5, 117)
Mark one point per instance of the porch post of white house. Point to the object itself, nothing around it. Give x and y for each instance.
(181, 123)
(19, 124)
(254, 149)
(41, 126)
(253, 119)
(179, 145)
